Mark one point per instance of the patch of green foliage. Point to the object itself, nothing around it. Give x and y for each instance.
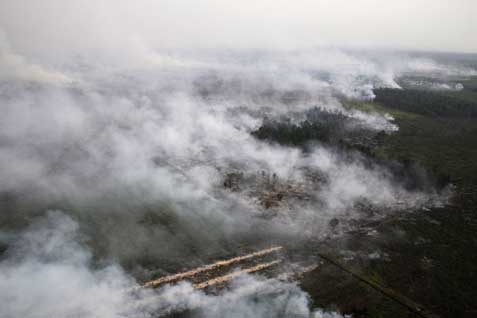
(318, 125)
(428, 103)
(444, 143)
(432, 253)
(434, 263)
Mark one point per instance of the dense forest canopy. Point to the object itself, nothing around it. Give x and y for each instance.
(426, 102)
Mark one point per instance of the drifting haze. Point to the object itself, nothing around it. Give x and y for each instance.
(127, 117)
(137, 153)
(57, 280)
(53, 27)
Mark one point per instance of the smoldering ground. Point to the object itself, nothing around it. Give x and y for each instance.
(135, 155)
(48, 271)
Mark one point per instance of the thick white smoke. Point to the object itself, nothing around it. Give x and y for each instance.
(49, 272)
(122, 142)
(135, 148)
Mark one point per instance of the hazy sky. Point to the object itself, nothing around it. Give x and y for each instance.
(40, 26)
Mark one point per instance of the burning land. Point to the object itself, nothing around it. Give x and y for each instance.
(141, 180)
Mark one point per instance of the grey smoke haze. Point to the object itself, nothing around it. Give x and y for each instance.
(59, 26)
(48, 272)
(137, 154)
(127, 119)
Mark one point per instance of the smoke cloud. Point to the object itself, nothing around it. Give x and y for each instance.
(115, 25)
(130, 131)
(48, 271)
